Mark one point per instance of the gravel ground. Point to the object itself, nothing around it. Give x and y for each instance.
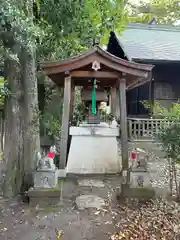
(157, 166)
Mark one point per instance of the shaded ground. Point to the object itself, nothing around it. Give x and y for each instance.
(152, 221)
(18, 221)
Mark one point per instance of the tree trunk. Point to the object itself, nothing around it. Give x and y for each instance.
(2, 131)
(30, 115)
(22, 123)
(2, 134)
(13, 149)
(22, 141)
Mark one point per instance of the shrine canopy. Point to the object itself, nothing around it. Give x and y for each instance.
(98, 64)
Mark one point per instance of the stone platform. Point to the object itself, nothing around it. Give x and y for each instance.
(94, 150)
(44, 197)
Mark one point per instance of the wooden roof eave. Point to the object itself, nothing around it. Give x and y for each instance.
(138, 66)
(139, 82)
(103, 57)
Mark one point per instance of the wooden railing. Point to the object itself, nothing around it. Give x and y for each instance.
(144, 129)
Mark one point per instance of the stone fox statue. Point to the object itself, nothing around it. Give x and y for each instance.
(47, 161)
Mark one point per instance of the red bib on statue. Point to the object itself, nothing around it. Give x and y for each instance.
(51, 155)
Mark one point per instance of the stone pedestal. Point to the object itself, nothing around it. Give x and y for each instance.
(44, 197)
(140, 180)
(140, 186)
(46, 179)
(94, 150)
(46, 191)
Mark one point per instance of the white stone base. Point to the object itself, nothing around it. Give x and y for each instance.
(61, 173)
(93, 150)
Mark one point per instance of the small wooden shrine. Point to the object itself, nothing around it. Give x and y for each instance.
(96, 70)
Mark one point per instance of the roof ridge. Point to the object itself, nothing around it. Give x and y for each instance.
(158, 27)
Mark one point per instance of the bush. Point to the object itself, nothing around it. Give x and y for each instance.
(169, 138)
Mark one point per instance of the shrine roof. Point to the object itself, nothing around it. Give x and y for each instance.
(151, 42)
(86, 58)
(110, 69)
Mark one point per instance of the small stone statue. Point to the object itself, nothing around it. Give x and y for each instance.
(43, 163)
(46, 174)
(47, 162)
(142, 163)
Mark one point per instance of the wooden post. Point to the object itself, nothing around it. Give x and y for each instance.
(117, 105)
(73, 96)
(151, 96)
(123, 128)
(65, 122)
(113, 100)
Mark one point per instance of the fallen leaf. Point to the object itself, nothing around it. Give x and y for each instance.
(59, 235)
(97, 213)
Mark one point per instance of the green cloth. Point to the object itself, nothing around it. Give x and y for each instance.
(94, 98)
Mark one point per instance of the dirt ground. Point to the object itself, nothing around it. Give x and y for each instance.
(18, 221)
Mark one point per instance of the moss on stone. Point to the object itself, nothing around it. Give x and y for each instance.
(49, 189)
(139, 192)
(51, 209)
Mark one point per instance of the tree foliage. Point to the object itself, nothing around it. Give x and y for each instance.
(80, 110)
(4, 91)
(164, 11)
(17, 28)
(50, 118)
(57, 29)
(70, 26)
(169, 133)
(169, 138)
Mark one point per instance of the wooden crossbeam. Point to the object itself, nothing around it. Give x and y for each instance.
(94, 74)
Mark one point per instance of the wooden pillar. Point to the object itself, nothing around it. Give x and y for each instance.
(123, 125)
(137, 101)
(73, 98)
(117, 104)
(65, 122)
(41, 101)
(151, 96)
(113, 100)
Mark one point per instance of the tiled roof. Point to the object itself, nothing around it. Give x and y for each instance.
(151, 42)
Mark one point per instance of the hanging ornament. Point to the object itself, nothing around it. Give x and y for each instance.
(96, 66)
